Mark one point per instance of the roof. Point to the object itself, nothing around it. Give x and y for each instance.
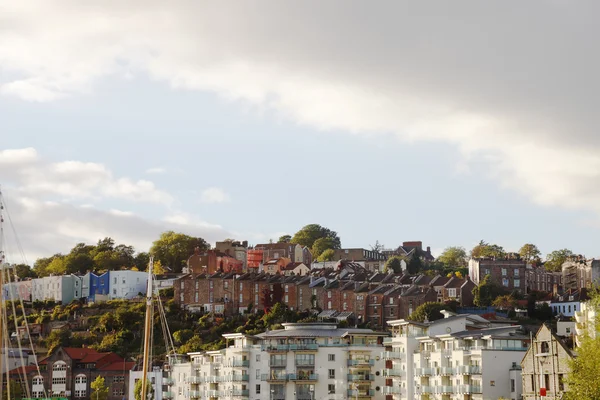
(19, 370)
(118, 366)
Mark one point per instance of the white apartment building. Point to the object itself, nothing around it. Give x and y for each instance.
(127, 284)
(303, 361)
(60, 288)
(458, 357)
(585, 322)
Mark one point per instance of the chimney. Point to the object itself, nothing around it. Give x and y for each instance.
(429, 249)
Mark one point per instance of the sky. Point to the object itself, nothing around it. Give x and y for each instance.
(445, 122)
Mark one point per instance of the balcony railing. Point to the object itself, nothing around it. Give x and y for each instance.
(275, 347)
(444, 389)
(360, 377)
(469, 369)
(278, 363)
(392, 355)
(393, 372)
(361, 393)
(303, 377)
(274, 377)
(467, 389)
(239, 363)
(427, 389)
(167, 395)
(392, 390)
(447, 371)
(361, 363)
(241, 392)
(214, 393)
(192, 379)
(238, 378)
(169, 381)
(304, 346)
(194, 394)
(424, 371)
(305, 363)
(388, 341)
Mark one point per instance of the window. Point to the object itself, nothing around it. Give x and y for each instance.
(345, 295)
(331, 357)
(38, 380)
(516, 273)
(512, 385)
(545, 348)
(546, 381)
(505, 282)
(59, 381)
(258, 374)
(517, 283)
(331, 374)
(331, 389)
(210, 297)
(258, 358)
(345, 306)
(568, 330)
(492, 383)
(329, 305)
(486, 271)
(329, 294)
(115, 280)
(211, 284)
(561, 383)
(123, 281)
(569, 308)
(241, 298)
(181, 285)
(197, 285)
(118, 379)
(286, 288)
(80, 379)
(196, 297)
(181, 297)
(59, 366)
(286, 300)
(226, 285)
(452, 292)
(118, 391)
(503, 271)
(391, 300)
(258, 388)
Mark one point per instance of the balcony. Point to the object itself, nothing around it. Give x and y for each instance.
(468, 369)
(305, 363)
(393, 372)
(447, 371)
(423, 353)
(192, 379)
(214, 393)
(392, 355)
(392, 390)
(361, 363)
(239, 378)
(275, 348)
(239, 363)
(427, 389)
(169, 381)
(468, 389)
(278, 363)
(424, 371)
(444, 389)
(194, 394)
(274, 377)
(360, 377)
(360, 393)
(304, 346)
(303, 377)
(167, 395)
(213, 379)
(240, 393)
(387, 341)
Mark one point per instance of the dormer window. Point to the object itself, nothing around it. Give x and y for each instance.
(545, 347)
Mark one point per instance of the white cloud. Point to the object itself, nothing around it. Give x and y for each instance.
(510, 91)
(214, 195)
(18, 156)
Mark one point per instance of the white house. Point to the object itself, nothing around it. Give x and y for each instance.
(156, 380)
(567, 304)
(59, 288)
(127, 284)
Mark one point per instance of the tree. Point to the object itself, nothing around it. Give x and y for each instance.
(529, 252)
(505, 302)
(24, 271)
(99, 389)
(57, 266)
(158, 269)
(454, 256)
(141, 261)
(327, 255)
(378, 247)
(322, 244)
(173, 249)
(414, 264)
(484, 249)
(284, 239)
(555, 260)
(79, 263)
(394, 264)
(486, 292)
(137, 390)
(193, 345)
(430, 311)
(182, 336)
(310, 233)
(56, 339)
(16, 389)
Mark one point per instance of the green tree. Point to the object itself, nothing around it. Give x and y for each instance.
(327, 255)
(428, 311)
(173, 249)
(99, 389)
(79, 263)
(16, 390)
(555, 260)
(486, 292)
(322, 244)
(40, 266)
(394, 264)
(284, 239)
(137, 389)
(57, 266)
(414, 263)
(454, 256)
(24, 271)
(193, 345)
(529, 252)
(484, 249)
(56, 339)
(141, 261)
(505, 302)
(310, 233)
(182, 336)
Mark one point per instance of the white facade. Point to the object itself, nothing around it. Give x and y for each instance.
(59, 288)
(156, 380)
(585, 322)
(127, 284)
(454, 357)
(314, 361)
(566, 308)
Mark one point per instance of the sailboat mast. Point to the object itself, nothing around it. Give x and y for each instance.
(2, 305)
(147, 330)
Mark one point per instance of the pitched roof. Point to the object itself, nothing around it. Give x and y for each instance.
(118, 366)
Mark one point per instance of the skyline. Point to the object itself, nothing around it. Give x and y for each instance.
(391, 123)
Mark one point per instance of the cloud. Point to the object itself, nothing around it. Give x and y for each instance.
(512, 89)
(18, 156)
(214, 195)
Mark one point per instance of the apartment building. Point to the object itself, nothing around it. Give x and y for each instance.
(371, 260)
(445, 359)
(508, 273)
(585, 322)
(580, 273)
(303, 361)
(543, 281)
(545, 366)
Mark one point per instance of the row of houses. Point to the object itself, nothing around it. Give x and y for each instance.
(373, 297)
(124, 284)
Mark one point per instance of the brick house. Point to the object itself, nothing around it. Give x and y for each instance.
(375, 299)
(508, 273)
(391, 303)
(460, 290)
(213, 261)
(276, 265)
(412, 298)
(68, 372)
(543, 281)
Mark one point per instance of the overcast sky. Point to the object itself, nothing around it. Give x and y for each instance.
(446, 122)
